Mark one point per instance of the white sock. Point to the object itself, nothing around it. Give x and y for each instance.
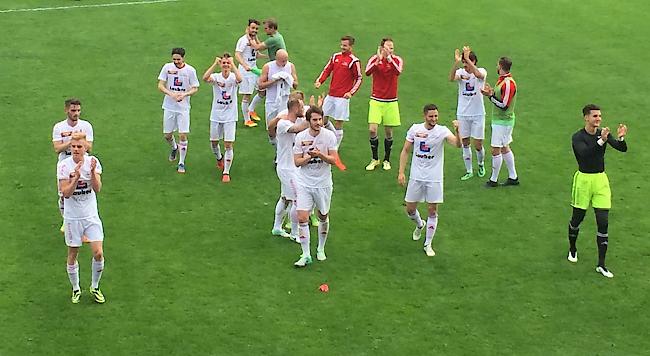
(303, 231)
(509, 158)
(183, 146)
(98, 267)
(480, 156)
(256, 100)
(228, 160)
(216, 149)
(293, 216)
(432, 224)
(244, 110)
(339, 136)
(323, 230)
(281, 208)
(416, 218)
(496, 167)
(73, 275)
(330, 126)
(467, 158)
(172, 142)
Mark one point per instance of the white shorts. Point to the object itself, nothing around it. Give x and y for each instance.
(223, 130)
(501, 135)
(288, 183)
(272, 109)
(248, 83)
(173, 120)
(337, 108)
(472, 126)
(420, 191)
(308, 198)
(75, 229)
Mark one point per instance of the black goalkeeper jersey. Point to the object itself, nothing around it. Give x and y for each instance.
(590, 155)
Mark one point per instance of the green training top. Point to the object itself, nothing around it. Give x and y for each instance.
(273, 44)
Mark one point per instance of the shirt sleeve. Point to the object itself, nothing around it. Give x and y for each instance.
(163, 73)
(372, 65)
(241, 45)
(484, 72)
(297, 147)
(332, 143)
(194, 81)
(56, 134)
(356, 69)
(89, 133)
(397, 64)
(270, 42)
(410, 134)
(62, 171)
(214, 79)
(98, 168)
(283, 126)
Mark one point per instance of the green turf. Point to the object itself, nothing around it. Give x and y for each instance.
(191, 267)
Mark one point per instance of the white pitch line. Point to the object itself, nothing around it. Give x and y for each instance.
(85, 6)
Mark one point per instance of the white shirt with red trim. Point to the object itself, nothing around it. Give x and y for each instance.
(470, 99)
(178, 80)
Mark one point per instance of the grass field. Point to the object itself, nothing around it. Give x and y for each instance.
(191, 267)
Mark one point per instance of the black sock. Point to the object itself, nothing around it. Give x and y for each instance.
(573, 237)
(388, 143)
(602, 249)
(374, 146)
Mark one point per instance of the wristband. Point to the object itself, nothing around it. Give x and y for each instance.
(621, 139)
(600, 142)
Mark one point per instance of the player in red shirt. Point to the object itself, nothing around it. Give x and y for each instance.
(385, 68)
(345, 69)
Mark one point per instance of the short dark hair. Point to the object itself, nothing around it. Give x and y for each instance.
(384, 40)
(348, 38)
(272, 23)
(72, 101)
(313, 109)
(587, 109)
(293, 102)
(226, 55)
(473, 58)
(178, 50)
(505, 63)
(250, 21)
(429, 107)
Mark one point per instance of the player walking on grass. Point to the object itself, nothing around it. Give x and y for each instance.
(345, 69)
(503, 122)
(79, 182)
(426, 177)
(278, 78)
(178, 81)
(590, 183)
(385, 68)
(314, 152)
(247, 58)
(223, 117)
(470, 111)
(62, 136)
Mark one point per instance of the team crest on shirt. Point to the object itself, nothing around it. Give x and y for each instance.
(469, 86)
(178, 82)
(424, 147)
(225, 95)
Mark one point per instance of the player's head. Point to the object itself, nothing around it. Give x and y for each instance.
(225, 61)
(315, 117)
(253, 27)
(387, 44)
(178, 56)
(297, 94)
(346, 43)
(270, 26)
(281, 57)
(592, 115)
(78, 145)
(430, 112)
(73, 109)
(295, 106)
(472, 57)
(503, 65)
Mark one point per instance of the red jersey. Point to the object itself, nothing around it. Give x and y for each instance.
(384, 77)
(346, 74)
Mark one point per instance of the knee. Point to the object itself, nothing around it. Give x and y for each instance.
(577, 217)
(227, 145)
(465, 141)
(372, 131)
(505, 149)
(433, 212)
(182, 137)
(478, 144)
(496, 151)
(303, 216)
(98, 255)
(168, 136)
(322, 217)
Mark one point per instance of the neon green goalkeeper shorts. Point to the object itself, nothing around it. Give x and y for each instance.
(591, 188)
(383, 113)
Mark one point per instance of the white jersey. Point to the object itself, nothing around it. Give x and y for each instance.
(63, 132)
(83, 202)
(248, 53)
(285, 141)
(281, 87)
(224, 99)
(470, 99)
(428, 152)
(178, 80)
(317, 173)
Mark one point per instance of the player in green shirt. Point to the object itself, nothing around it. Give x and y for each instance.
(274, 42)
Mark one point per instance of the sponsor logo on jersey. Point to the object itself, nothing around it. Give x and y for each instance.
(421, 134)
(306, 143)
(172, 72)
(424, 147)
(178, 82)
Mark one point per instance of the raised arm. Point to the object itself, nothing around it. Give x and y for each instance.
(455, 66)
(210, 70)
(472, 68)
(95, 176)
(371, 66)
(619, 143)
(454, 138)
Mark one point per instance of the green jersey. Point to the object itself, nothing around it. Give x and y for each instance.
(273, 44)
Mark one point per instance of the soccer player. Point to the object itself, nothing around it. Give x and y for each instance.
(590, 183)
(278, 77)
(178, 81)
(223, 117)
(426, 176)
(314, 152)
(247, 58)
(62, 135)
(79, 182)
(385, 68)
(503, 121)
(470, 111)
(345, 69)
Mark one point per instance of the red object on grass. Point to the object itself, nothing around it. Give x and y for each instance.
(324, 288)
